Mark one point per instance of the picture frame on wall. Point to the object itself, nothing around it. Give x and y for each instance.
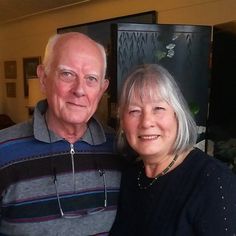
(30, 71)
(10, 69)
(11, 89)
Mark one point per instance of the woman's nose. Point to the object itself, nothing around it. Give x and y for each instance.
(147, 120)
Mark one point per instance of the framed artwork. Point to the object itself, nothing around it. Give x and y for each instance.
(30, 71)
(10, 69)
(11, 89)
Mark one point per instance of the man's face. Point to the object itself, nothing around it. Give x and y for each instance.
(75, 82)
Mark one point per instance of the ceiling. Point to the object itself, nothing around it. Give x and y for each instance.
(12, 10)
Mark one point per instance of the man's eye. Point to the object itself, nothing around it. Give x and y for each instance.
(67, 75)
(91, 80)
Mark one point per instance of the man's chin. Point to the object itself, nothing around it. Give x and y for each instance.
(76, 119)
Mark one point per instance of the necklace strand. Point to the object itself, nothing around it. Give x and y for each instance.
(157, 177)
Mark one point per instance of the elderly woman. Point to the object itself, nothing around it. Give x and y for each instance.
(173, 188)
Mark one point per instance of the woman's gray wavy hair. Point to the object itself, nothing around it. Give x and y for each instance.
(150, 80)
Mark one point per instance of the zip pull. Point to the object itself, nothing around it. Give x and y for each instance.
(72, 152)
(103, 175)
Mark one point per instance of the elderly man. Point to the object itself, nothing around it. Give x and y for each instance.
(59, 173)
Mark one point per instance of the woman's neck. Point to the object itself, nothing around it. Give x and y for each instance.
(152, 169)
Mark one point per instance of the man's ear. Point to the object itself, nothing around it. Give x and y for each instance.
(42, 77)
(105, 85)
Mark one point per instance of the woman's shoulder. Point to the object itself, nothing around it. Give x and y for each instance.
(210, 168)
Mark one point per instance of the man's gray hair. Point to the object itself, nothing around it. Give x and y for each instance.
(49, 50)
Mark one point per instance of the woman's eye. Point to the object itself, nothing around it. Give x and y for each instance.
(134, 112)
(158, 109)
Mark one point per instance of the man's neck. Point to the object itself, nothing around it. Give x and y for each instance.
(68, 131)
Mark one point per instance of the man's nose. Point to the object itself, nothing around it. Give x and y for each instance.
(78, 87)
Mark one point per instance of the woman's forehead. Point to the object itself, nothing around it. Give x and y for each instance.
(146, 89)
(142, 95)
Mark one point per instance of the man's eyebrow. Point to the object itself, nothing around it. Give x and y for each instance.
(64, 67)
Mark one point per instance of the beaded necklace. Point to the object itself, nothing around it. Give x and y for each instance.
(157, 177)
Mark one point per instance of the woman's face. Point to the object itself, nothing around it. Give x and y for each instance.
(150, 126)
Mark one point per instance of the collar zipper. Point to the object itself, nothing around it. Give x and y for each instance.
(72, 152)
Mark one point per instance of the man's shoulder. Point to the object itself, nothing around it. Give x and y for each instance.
(98, 123)
(108, 130)
(19, 130)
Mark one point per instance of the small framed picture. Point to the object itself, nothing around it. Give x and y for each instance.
(30, 71)
(10, 69)
(11, 90)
